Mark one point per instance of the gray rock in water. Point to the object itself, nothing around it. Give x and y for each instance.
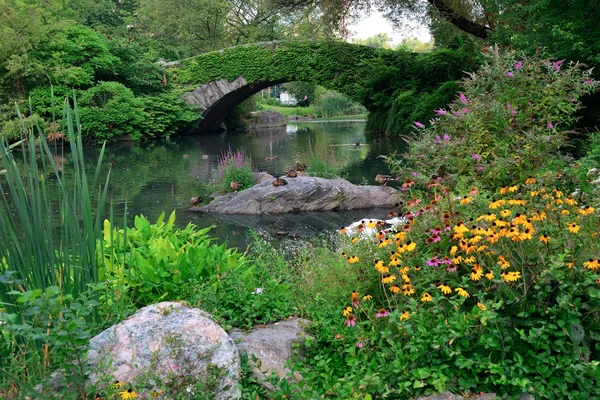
(163, 339)
(266, 119)
(260, 177)
(272, 345)
(303, 193)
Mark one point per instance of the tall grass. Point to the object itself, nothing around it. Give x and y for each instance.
(49, 234)
(323, 161)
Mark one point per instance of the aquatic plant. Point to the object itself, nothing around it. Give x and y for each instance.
(234, 171)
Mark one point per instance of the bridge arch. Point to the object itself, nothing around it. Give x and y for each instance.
(217, 81)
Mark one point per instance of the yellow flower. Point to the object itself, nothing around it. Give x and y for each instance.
(343, 231)
(460, 228)
(517, 202)
(476, 274)
(490, 217)
(502, 262)
(371, 224)
(354, 297)
(380, 267)
(367, 297)
(519, 219)
(526, 235)
(565, 212)
(462, 292)
(426, 297)
(505, 213)
(586, 210)
(465, 200)
(410, 246)
(128, 394)
(405, 278)
(545, 238)
(574, 228)
(530, 181)
(503, 190)
(405, 316)
(354, 240)
(457, 260)
(558, 194)
(118, 384)
(388, 279)
(534, 193)
(481, 306)
(592, 264)
(394, 261)
(513, 189)
(511, 276)
(470, 260)
(475, 239)
(445, 288)
(481, 248)
(453, 250)
(539, 216)
(347, 311)
(385, 243)
(497, 204)
(157, 393)
(408, 289)
(489, 276)
(400, 235)
(353, 259)
(570, 201)
(394, 289)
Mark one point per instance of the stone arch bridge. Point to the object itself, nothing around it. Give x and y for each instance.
(218, 81)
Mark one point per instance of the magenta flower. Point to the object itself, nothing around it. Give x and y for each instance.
(421, 155)
(440, 112)
(457, 113)
(382, 313)
(509, 74)
(550, 125)
(528, 103)
(518, 65)
(476, 156)
(556, 65)
(436, 231)
(446, 137)
(435, 238)
(419, 125)
(414, 174)
(588, 81)
(350, 320)
(465, 110)
(513, 112)
(507, 106)
(463, 98)
(438, 138)
(452, 268)
(433, 262)
(446, 261)
(359, 345)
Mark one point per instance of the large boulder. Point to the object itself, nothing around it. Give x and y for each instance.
(167, 339)
(266, 119)
(303, 193)
(272, 346)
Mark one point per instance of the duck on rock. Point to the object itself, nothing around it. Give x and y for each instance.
(299, 167)
(279, 182)
(291, 174)
(235, 185)
(382, 179)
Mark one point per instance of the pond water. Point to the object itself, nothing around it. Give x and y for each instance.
(151, 178)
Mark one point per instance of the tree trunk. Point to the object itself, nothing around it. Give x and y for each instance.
(459, 21)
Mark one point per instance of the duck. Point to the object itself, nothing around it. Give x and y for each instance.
(279, 182)
(358, 143)
(291, 174)
(235, 185)
(299, 167)
(382, 179)
(196, 200)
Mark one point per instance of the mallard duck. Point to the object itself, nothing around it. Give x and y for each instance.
(291, 174)
(299, 167)
(279, 182)
(235, 185)
(195, 200)
(382, 179)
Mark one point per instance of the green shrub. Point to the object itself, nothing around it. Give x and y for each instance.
(333, 104)
(160, 262)
(507, 123)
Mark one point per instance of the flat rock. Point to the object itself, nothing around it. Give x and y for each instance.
(272, 345)
(266, 119)
(162, 339)
(303, 193)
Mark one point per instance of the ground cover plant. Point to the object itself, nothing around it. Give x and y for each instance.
(234, 172)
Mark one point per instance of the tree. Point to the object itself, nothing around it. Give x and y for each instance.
(378, 41)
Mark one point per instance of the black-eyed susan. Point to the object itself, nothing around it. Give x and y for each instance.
(157, 393)
(511, 276)
(504, 190)
(481, 306)
(502, 262)
(354, 240)
(465, 200)
(477, 273)
(545, 238)
(513, 189)
(586, 210)
(530, 181)
(407, 289)
(371, 224)
(354, 298)
(388, 279)
(445, 288)
(367, 297)
(395, 289)
(490, 275)
(353, 259)
(460, 228)
(505, 213)
(592, 264)
(384, 243)
(394, 261)
(343, 230)
(462, 292)
(426, 298)
(128, 394)
(573, 227)
(347, 311)
(405, 316)
(498, 203)
(570, 201)
(118, 384)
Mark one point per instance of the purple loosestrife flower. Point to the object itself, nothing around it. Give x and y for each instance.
(440, 111)
(419, 125)
(463, 98)
(519, 65)
(465, 110)
(446, 137)
(438, 138)
(414, 174)
(457, 113)
(476, 156)
(556, 65)
(509, 74)
(550, 125)
(507, 106)
(513, 112)
(588, 81)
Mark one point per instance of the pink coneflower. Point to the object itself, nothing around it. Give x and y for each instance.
(437, 230)
(359, 345)
(452, 268)
(382, 313)
(419, 125)
(446, 261)
(438, 138)
(435, 238)
(509, 74)
(518, 65)
(433, 262)
(350, 320)
(463, 98)
(440, 112)
(414, 174)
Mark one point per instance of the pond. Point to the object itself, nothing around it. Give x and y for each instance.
(151, 178)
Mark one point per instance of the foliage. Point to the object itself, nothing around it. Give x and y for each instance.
(378, 41)
(323, 161)
(333, 104)
(482, 293)
(157, 261)
(505, 125)
(234, 172)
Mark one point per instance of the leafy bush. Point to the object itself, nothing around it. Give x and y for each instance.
(480, 293)
(160, 262)
(507, 122)
(234, 172)
(333, 104)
